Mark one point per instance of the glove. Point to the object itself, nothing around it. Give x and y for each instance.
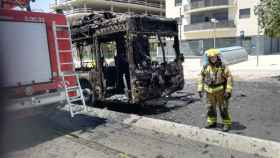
(227, 95)
(200, 94)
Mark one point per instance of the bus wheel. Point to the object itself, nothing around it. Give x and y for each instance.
(87, 91)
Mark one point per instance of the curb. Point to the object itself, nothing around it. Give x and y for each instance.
(250, 145)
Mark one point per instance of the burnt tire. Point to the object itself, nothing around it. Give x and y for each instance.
(87, 92)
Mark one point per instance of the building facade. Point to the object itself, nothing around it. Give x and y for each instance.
(220, 23)
(77, 8)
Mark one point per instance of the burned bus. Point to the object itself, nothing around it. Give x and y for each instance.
(123, 66)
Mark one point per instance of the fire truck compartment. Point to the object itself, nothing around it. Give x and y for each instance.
(25, 55)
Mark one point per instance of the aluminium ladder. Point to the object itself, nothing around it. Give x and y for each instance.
(74, 108)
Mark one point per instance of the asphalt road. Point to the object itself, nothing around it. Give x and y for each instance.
(254, 106)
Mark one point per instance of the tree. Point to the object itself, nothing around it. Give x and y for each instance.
(268, 12)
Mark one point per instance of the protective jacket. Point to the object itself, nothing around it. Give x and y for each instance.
(215, 78)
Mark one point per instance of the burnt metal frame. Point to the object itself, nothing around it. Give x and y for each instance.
(124, 29)
(130, 27)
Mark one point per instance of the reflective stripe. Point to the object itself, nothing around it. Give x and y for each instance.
(200, 87)
(229, 88)
(227, 121)
(211, 120)
(213, 90)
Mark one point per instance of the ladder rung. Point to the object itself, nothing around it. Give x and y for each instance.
(74, 87)
(66, 63)
(63, 51)
(62, 38)
(77, 99)
(65, 26)
(69, 74)
(80, 111)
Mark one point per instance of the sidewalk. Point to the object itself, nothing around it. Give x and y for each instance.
(269, 66)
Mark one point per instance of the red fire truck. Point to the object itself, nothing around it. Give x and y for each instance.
(37, 62)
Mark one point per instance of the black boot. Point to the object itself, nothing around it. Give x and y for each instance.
(214, 125)
(226, 128)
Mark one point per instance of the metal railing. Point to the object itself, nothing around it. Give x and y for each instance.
(208, 3)
(63, 1)
(209, 25)
(138, 2)
(77, 11)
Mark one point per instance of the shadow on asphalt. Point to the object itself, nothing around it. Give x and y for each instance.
(143, 110)
(27, 132)
(276, 77)
(136, 108)
(236, 126)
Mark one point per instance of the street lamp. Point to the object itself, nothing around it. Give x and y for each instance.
(258, 42)
(180, 23)
(214, 21)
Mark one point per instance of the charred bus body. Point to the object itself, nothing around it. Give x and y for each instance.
(130, 73)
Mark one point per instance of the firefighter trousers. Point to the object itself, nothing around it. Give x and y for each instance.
(215, 100)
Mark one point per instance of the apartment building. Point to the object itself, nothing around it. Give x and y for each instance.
(77, 8)
(220, 23)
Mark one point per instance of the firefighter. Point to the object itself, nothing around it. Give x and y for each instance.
(216, 82)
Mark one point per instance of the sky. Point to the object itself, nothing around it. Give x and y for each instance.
(42, 5)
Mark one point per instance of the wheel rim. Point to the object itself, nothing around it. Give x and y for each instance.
(87, 94)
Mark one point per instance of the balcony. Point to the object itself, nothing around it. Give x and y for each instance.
(205, 5)
(136, 2)
(209, 25)
(208, 3)
(78, 11)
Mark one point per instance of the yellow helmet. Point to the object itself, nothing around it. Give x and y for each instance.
(212, 52)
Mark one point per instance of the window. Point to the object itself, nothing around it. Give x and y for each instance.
(244, 13)
(221, 15)
(178, 2)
